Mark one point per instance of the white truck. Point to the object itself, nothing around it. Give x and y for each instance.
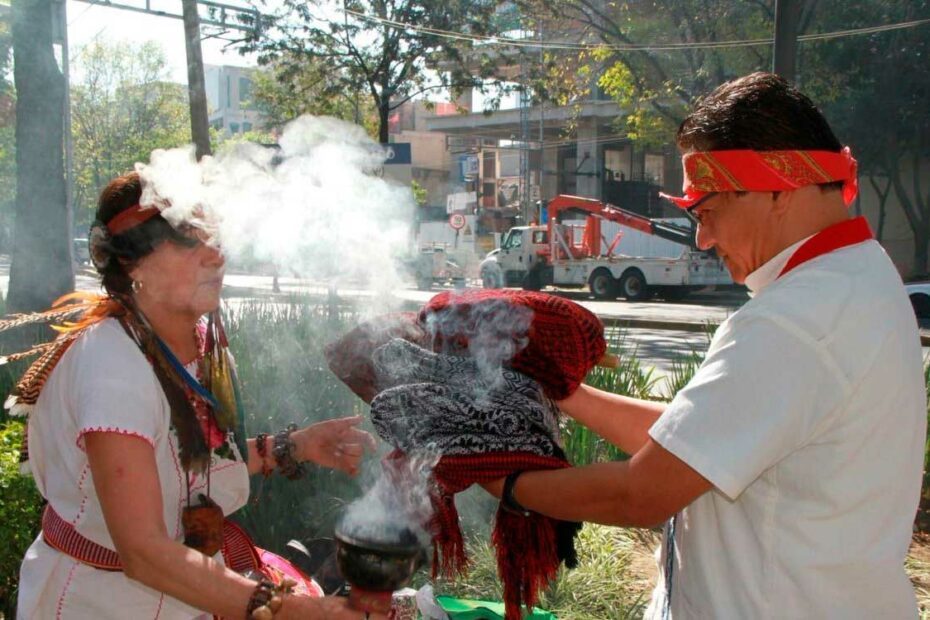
(538, 256)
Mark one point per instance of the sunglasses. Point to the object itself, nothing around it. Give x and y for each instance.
(691, 211)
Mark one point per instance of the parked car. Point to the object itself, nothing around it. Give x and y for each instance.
(919, 292)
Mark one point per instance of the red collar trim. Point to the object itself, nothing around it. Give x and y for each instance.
(846, 233)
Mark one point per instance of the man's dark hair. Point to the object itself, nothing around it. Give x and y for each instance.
(760, 111)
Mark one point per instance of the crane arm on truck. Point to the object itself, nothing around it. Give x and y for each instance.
(596, 210)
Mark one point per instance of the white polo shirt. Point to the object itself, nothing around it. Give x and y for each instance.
(808, 416)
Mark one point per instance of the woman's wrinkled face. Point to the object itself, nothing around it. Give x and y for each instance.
(183, 278)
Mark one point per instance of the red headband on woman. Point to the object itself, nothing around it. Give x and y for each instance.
(764, 171)
(128, 218)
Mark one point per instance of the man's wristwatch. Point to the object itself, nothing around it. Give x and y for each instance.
(508, 501)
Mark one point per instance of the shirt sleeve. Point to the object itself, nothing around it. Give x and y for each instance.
(115, 388)
(765, 389)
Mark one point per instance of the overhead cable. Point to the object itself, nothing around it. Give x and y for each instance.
(625, 47)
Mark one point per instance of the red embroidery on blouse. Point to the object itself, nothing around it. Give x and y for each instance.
(64, 591)
(110, 429)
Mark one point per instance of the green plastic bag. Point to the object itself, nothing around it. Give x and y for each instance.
(464, 609)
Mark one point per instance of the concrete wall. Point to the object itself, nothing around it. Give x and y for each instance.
(431, 163)
(589, 159)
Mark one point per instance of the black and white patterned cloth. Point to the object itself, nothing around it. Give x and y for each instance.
(452, 406)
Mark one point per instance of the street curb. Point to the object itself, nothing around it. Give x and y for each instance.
(622, 321)
(638, 323)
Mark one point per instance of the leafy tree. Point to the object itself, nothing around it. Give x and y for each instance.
(122, 108)
(285, 90)
(360, 45)
(654, 88)
(875, 90)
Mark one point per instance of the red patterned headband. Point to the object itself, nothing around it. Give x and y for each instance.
(131, 217)
(764, 171)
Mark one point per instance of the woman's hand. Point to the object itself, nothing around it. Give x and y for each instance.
(326, 608)
(334, 443)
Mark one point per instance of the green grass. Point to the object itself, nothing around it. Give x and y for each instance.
(598, 589)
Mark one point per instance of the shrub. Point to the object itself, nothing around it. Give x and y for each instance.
(20, 509)
(284, 378)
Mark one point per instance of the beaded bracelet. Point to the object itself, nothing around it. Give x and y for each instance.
(284, 453)
(261, 445)
(267, 599)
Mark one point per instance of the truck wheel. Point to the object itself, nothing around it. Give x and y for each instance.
(633, 285)
(602, 284)
(533, 281)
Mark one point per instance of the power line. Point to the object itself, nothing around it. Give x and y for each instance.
(625, 47)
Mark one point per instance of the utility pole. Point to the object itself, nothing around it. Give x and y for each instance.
(784, 57)
(200, 123)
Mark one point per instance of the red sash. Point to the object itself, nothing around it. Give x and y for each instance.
(846, 233)
(238, 551)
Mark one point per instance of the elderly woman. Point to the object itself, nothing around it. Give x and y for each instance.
(135, 442)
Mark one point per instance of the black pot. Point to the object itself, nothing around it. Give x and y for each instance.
(378, 565)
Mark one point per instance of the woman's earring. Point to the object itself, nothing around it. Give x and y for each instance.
(136, 286)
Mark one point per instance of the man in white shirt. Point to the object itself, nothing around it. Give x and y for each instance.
(789, 468)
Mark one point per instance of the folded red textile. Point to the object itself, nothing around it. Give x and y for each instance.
(350, 357)
(529, 548)
(557, 344)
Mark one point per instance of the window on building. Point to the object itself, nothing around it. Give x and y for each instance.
(245, 92)
(655, 169)
(234, 128)
(246, 126)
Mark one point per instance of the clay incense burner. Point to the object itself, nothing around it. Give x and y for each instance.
(376, 568)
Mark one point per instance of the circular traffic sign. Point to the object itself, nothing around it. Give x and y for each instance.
(457, 221)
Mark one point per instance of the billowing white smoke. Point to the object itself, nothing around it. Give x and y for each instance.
(397, 505)
(313, 207)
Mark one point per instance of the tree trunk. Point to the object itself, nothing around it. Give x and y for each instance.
(921, 240)
(197, 92)
(42, 266)
(384, 112)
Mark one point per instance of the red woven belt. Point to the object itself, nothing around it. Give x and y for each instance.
(238, 551)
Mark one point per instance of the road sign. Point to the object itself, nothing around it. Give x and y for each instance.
(457, 221)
